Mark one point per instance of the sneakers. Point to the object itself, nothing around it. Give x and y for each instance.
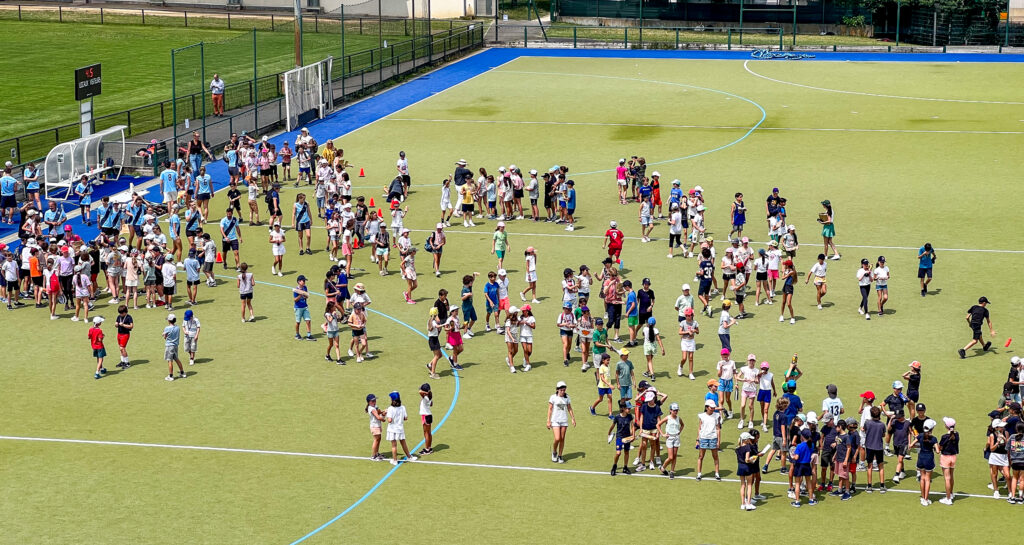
(641, 468)
(394, 462)
(845, 497)
(888, 452)
(692, 377)
(636, 461)
(718, 477)
(812, 501)
(527, 367)
(561, 460)
(962, 353)
(554, 457)
(792, 320)
(764, 428)
(679, 371)
(881, 489)
(613, 471)
(168, 378)
(657, 461)
(987, 346)
(782, 318)
(946, 501)
(794, 503)
(626, 470)
(819, 307)
(740, 425)
(593, 412)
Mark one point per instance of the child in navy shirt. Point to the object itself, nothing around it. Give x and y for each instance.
(624, 427)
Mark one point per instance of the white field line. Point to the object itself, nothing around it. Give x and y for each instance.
(486, 233)
(747, 68)
(721, 127)
(421, 461)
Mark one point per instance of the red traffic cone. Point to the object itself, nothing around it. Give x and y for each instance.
(371, 202)
(220, 258)
(361, 173)
(380, 213)
(1008, 341)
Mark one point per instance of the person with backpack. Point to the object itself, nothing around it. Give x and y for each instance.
(302, 222)
(230, 237)
(1015, 452)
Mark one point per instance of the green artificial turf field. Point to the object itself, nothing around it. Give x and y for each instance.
(899, 171)
(136, 63)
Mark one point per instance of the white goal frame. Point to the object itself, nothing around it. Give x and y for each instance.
(304, 91)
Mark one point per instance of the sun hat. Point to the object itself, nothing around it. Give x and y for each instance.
(624, 352)
(561, 384)
(746, 436)
(360, 287)
(948, 421)
(710, 403)
(917, 365)
(997, 423)
(97, 320)
(897, 385)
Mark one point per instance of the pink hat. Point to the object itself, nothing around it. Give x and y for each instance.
(67, 227)
(751, 357)
(764, 365)
(725, 351)
(744, 240)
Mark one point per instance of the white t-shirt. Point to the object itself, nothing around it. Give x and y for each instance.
(676, 227)
(819, 269)
(748, 374)
(531, 263)
(245, 282)
(559, 409)
(684, 302)
(723, 317)
(374, 422)
(526, 325)
(881, 275)
(502, 288)
(708, 425)
(582, 284)
(863, 277)
(397, 416)
(168, 270)
(765, 382)
(774, 255)
(425, 404)
(834, 406)
(727, 367)
(403, 166)
(761, 264)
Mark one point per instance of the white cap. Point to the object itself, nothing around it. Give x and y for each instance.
(791, 227)
(929, 425)
(265, 138)
(512, 309)
(686, 287)
(511, 167)
(439, 226)
(1015, 360)
(746, 436)
(673, 407)
(698, 188)
(533, 171)
(501, 224)
(342, 263)
(812, 418)
(502, 272)
(897, 385)
(701, 208)
(501, 169)
(676, 182)
(97, 320)
(612, 223)
(461, 162)
(997, 423)
(561, 384)
(32, 212)
(622, 160)
(710, 403)
(171, 317)
(655, 173)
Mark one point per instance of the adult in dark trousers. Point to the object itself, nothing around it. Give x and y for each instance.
(976, 315)
(461, 172)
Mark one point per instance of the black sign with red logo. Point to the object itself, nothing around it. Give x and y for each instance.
(87, 82)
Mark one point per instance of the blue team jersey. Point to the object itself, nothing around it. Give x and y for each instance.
(203, 184)
(34, 184)
(169, 181)
(232, 156)
(230, 227)
(570, 198)
(631, 300)
(302, 213)
(708, 268)
(175, 226)
(7, 185)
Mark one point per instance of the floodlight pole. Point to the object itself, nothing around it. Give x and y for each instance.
(380, 27)
(898, 5)
(202, 86)
(1006, 40)
(641, 24)
(298, 34)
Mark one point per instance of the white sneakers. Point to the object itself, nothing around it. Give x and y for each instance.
(792, 320)
(740, 425)
(946, 501)
(692, 377)
(782, 318)
(679, 371)
(819, 307)
(747, 507)
(527, 367)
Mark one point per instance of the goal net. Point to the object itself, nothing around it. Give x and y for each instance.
(307, 91)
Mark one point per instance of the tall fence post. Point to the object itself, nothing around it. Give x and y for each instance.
(728, 40)
(101, 15)
(574, 37)
(19, 12)
(526, 38)
(271, 22)
(229, 20)
(625, 38)
(143, 17)
(677, 38)
(60, 13)
(186, 18)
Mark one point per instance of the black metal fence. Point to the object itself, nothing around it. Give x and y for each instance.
(814, 12)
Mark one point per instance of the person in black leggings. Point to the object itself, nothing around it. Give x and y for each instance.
(864, 278)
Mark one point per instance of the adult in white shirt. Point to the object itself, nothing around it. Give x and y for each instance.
(217, 95)
(881, 274)
(559, 415)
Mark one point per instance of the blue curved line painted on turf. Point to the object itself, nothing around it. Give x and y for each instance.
(455, 399)
(764, 114)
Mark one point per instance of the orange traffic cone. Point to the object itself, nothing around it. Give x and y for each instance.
(371, 202)
(380, 213)
(220, 258)
(361, 173)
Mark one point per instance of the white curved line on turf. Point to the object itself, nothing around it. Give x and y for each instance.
(750, 130)
(879, 95)
(419, 462)
(708, 127)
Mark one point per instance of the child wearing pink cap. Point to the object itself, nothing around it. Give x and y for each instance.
(748, 375)
(726, 369)
(949, 447)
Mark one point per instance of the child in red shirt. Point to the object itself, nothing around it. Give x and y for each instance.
(96, 342)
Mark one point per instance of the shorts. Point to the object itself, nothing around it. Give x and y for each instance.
(559, 424)
(531, 276)
(704, 288)
(880, 287)
(820, 280)
(571, 211)
(625, 392)
(777, 444)
(650, 349)
(761, 276)
(645, 220)
(433, 343)
(872, 455)
(426, 419)
(764, 396)
(924, 273)
(332, 334)
(356, 333)
(708, 444)
(842, 470)
(976, 332)
(446, 205)
(170, 196)
(396, 435)
(491, 309)
(381, 252)
(688, 345)
(500, 254)
(621, 446)
(123, 338)
(787, 289)
(138, 230)
(169, 290)
(208, 266)
(947, 461)
(565, 332)
(604, 392)
(454, 338)
(467, 207)
(900, 450)
(37, 281)
(8, 201)
(132, 283)
(99, 352)
(504, 304)
(742, 470)
(203, 197)
(826, 457)
(170, 353)
(191, 344)
(773, 274)
(998, 460)
(1017, 466)
(749, 394)
(233, 171)
(632, 321)
(243, 296)
(302, 314)
(724, 385)
(150, 282)
(229, 245)
(468, 314)
(672, 441)
(304, 170)
(304, 226)
(925, 466)
(802, 470)
(517, 193)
